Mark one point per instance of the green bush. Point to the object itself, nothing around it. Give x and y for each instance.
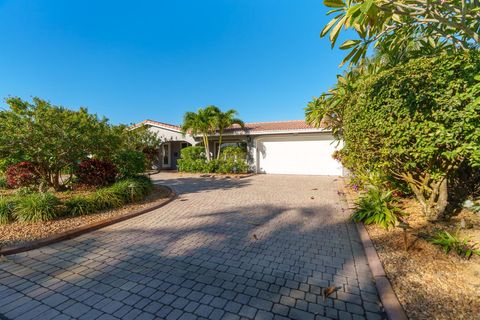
(192, 159)
(37, 207)
(132, 189)
(3, 182)
(80, 205)
(6, 210)
(377, 207)
(106, 198)
(450, 242)
(130, 163)
(122, 192)
(232, 160)
(417, 122)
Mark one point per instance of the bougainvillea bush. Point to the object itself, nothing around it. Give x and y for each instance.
(22, 174)
(96, 172)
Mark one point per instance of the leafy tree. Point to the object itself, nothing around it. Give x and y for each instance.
(430, 25)
(136, 138)
(130, 163)
(419, 121)
(224, 120)
(52, 138)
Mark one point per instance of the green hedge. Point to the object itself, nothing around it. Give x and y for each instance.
(232, 160)
(420, 116)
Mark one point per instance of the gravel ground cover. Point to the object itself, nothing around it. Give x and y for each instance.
(429, 283)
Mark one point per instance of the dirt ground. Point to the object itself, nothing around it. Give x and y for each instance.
(429, 283)
(21, 232)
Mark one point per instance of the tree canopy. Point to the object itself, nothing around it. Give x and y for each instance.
(55, 139)
(424, 24)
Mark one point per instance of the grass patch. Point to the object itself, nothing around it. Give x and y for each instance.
(6, 210)
(37, 207)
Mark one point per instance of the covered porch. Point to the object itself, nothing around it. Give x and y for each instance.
(168, 153)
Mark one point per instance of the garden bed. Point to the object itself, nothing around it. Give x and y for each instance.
(429, 283)
(18, 233)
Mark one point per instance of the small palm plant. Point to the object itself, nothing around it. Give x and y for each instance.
(223, 121)
(377, 206)
(449, 242)
(207, 121)
(202, 122)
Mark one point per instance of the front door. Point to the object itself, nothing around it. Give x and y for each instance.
(166, 158)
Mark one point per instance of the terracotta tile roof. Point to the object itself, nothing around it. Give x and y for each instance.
(162, 124)
(252, 127)
(273, 126)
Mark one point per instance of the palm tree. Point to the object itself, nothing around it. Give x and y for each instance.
(202, 122)
(224, 120)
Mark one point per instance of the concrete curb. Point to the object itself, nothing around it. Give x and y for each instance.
(391, 305)
(83, 229)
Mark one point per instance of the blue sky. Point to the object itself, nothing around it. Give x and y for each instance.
(132, 60)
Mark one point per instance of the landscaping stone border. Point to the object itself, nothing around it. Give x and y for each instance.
(391, 305)
(83, 229)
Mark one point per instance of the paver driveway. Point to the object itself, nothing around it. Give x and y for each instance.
(260, 247)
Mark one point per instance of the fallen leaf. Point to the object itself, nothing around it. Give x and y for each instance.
(312, 197)
(255, 237)
(328, 291)
(315, 189)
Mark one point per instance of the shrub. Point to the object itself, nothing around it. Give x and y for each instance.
(122, 192)
(80, 205)
(132, 189)
(418, 120)
(192, 159)
(3, 182)
(105, 198)
(233, 160)
(6, 210)
(96, 172)
(378, 207)
(37, 207)
(130, 163)
(22, 174)
(450, 242)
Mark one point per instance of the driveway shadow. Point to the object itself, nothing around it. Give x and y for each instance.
(254, 261)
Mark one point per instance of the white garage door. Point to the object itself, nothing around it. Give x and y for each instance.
(298, 155)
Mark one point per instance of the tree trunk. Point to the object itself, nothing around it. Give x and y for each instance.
(438, 201)
(207, 147)
(431, 194)
(219, 144)
(56, 181)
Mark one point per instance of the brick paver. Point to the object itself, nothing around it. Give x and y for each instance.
(261, 247)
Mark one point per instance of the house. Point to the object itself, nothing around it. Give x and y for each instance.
(281, 147)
